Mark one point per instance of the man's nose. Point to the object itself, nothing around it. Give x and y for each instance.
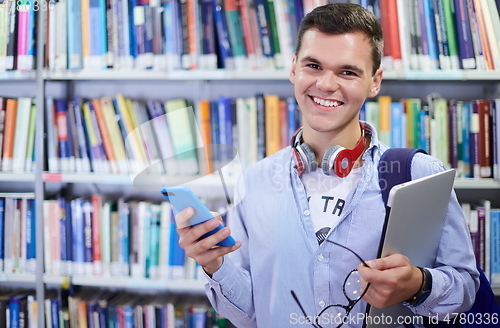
(328, 82)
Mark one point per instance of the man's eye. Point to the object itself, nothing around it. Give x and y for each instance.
(315, 66)
(349, 73)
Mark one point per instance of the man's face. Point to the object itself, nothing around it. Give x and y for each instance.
(332, 77)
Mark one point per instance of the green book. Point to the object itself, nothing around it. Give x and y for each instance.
(278, 59)
(451, 32)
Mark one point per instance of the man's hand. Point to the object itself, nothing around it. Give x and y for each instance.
(393, 279)
(203, 251)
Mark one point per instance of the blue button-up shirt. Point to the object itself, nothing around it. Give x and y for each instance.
(280, 251)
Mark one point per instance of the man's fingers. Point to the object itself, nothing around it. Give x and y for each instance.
(181, 219)
(217, 216)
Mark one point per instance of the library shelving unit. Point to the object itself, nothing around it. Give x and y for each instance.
(197, 85)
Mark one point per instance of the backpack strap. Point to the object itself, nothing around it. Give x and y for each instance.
(395, 168)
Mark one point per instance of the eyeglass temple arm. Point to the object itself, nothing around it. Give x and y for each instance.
(359, 257)
(301, 308)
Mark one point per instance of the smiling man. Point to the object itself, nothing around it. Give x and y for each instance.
(313, 211)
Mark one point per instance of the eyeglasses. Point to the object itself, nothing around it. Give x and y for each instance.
(353, 291)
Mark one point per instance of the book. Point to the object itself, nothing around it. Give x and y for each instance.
(24, 105)
(184, 138)
(9, 134)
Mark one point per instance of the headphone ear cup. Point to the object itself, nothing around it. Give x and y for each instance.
(344, 163)
(328, 163)
(306, 152)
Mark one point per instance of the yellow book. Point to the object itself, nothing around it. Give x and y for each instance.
(384, 129)
(117, 144)
(272, 119)
(133, 143)
(439, 131)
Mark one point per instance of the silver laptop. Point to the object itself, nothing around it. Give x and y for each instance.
(414, 222)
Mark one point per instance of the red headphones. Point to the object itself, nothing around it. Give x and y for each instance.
(336, 159)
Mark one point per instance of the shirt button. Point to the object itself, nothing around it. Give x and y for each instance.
(322, 304)
(320, 257)
(306, 212)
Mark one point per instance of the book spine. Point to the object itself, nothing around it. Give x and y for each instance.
(225, 51)
(81, 136)
(9, 134)
(11, 51)
(74, 20)
(62, 134)
(466, 51)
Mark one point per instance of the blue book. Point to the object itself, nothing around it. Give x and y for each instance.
(430, 28)
(464, 35)
(104, 31)
(78, 224)
(225, 127)
(123, 55)
(362, 112)
(97, 33)
(397, 124)
(74, 22)
(265, 30)
(132, 28)
(424, 127)
(124, 233)
(177, 255)
(495, 246)
(465, 116)
(62, 233)
(208, 44)
(128, 316)
(214, 124)
(293, 116)
(15, 309)
(148, 37)
(225, 51)
(55, 307)
(30, 234)
(69, 235)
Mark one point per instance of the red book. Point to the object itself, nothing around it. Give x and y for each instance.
(484, 138)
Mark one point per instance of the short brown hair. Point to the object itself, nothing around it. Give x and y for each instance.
(342, 18)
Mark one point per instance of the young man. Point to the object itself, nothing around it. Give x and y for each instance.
(291, 206)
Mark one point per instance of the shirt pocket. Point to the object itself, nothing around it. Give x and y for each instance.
(365, 229)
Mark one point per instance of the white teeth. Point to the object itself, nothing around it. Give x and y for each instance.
(326, 103)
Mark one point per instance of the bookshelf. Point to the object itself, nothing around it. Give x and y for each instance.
(193, 84)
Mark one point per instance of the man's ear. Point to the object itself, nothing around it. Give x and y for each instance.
(376, 82)
(292, 69)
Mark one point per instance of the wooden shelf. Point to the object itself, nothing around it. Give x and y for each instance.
(177, 286)
(220, 74)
